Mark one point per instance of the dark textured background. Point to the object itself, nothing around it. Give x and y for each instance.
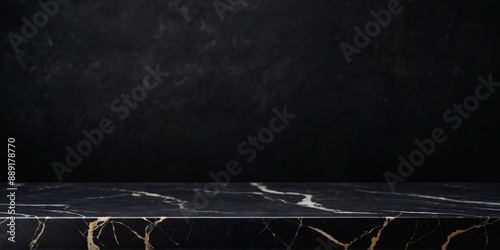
(227, 76)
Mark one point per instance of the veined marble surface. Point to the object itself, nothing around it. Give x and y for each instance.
(255, 200)
(318, 216)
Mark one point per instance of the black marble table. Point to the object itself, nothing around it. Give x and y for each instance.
(252, 216)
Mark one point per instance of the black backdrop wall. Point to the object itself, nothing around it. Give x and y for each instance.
(347, 121)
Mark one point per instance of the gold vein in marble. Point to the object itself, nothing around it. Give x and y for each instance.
(90, 233)
(36, 237)
(461, 231)
(367, 232)
(149, 228)
(114, 233)
(376, 238)
(345, 245)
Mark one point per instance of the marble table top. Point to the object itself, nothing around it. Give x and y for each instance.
(255, 200)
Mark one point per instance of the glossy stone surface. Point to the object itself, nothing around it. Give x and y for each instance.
(255, 215)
